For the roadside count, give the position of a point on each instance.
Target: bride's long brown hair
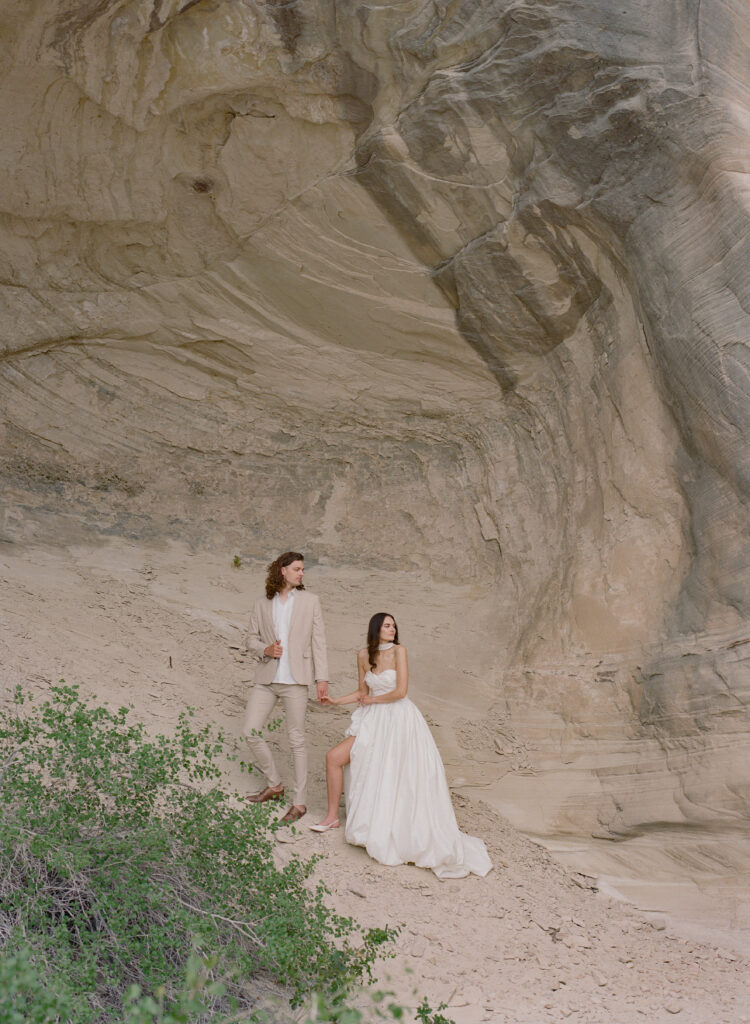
(373, 634)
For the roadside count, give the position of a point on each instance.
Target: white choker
(385, 647)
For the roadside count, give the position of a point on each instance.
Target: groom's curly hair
(274, 579)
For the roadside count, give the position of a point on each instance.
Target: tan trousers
(260, 705)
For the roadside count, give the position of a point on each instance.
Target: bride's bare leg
(336, 758)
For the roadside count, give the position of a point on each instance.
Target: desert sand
(534, 941)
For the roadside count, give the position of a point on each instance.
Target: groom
(286, 635)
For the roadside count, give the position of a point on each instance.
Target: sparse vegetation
(426, 1015)
(135, 887)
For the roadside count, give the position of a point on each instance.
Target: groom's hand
(322, 685)
(273, 650)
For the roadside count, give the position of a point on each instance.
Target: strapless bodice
(381, 682)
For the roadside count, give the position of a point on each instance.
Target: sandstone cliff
(449, 291)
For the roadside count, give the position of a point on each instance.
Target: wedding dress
(398, 805)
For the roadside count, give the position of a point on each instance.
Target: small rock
(659, 923)
(584, 881)
(673, 1008)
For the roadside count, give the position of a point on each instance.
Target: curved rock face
(451, 288)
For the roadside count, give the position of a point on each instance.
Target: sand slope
(531, 942)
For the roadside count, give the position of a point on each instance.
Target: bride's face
(387, 630)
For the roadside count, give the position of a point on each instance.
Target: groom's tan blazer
(307, 641)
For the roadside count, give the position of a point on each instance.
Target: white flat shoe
(324, 828)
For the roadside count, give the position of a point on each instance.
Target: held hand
(323, 697)
(274, 650)
(365, 699)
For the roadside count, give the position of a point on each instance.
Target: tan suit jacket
(307, 641)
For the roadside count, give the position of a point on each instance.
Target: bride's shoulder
(362, 655)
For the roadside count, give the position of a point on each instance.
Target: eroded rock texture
(466, 279)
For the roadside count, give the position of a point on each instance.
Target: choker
(385, 647)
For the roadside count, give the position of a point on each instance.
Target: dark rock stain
(288, 20)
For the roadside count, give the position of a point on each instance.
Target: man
(286, 635)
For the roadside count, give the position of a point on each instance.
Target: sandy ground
(534, 941)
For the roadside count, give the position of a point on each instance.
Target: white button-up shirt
(282, 616)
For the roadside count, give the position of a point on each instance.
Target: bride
(397, 801)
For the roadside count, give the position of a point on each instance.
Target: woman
(397, 801)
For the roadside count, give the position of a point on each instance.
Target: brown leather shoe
(294, 814)
(269, 793)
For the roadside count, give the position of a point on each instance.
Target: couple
(398, 804)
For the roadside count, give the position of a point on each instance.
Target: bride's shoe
(324, 828)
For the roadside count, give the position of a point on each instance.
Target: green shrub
(134, 886)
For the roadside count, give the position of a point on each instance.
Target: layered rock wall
(451, 288)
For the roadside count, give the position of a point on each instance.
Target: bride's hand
(366, 698)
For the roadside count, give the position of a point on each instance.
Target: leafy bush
(126, 867)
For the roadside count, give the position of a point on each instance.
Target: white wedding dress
(398, 805)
